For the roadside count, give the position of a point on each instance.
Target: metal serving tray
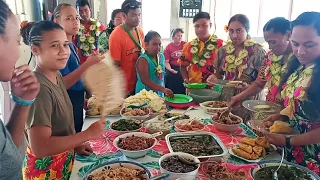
(189, 134)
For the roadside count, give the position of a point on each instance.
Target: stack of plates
(180, 101)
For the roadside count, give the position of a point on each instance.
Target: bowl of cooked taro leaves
(288, 171)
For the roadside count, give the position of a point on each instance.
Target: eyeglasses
(133, 4)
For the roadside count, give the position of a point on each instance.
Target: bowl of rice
(119, 169)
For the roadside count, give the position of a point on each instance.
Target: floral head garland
(208, 50)
(237, 64)
(88, 38)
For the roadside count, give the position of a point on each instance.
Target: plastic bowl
(134, 117)
(123, 132)
(117, 164)
(229, 128)
(134, 154)
(202, 95)
(185, 121)
(185, 176)
(209, 110)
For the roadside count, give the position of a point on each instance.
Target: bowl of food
(157, 126)
(125, 126)
(222, 170)
(229, 123)
(135, 113)
(213, 107)
(200, 144)
(135, 144)
(203, 95)
(286, 172)
(171, 163)
(185, 125)
(120, 169)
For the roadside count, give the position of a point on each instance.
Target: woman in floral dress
(277, 34)
(300, 92)
(240, 59)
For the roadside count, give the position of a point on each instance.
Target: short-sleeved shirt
(10, 157)
(173, 53)
(123, 49)
(72, 64)
(256, 54)
(52, 107)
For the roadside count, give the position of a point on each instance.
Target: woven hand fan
(106, 83)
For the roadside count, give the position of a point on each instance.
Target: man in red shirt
(90, 29)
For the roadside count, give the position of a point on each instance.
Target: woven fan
(106, 83)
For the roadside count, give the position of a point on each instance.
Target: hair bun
(23, 24)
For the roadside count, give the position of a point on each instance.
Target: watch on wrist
(288, 143)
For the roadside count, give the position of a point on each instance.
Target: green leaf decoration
(41, 164)
(94, 157)
(153, 165)
(248, 131)
(207, 121)
(107, 125)
(85, 169)
(154, 154)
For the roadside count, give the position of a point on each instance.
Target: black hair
(277, 25)
(35, 35)
(150, 35)
(57, 10)
(201, 15)
(111, 26)
(130, 4)
(81, 3)
(306, 19)
(5, 13)
(32, 32)
(25, 30)
(243, 19)
(175, 31)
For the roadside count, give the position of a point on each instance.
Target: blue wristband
(20, 101)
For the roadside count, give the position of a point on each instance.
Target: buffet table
(104, 151)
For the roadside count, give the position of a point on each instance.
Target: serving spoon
(181, 115)
(225, 113)
(275, 174)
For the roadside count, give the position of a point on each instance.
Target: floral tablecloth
(104, 151)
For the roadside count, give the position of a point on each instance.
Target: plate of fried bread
(251, 149)
(276, 127)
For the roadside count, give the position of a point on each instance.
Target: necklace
(208, 51)
(158, 70)
(237, 64)
(294, 90)
(87, 37)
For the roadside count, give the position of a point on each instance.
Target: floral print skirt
(57, 167)
(307, 156)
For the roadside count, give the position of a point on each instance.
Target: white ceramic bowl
(185, 176)
(183, 121)
(209, 110)
(123, 132)
(134, 117)
(134, 154)
(117, 164)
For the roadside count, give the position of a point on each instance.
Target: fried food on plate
(246, 148)
(249, 141)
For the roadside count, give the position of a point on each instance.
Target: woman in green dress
(151, 65)
(300, 92)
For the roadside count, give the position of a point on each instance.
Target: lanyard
(139, 44)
